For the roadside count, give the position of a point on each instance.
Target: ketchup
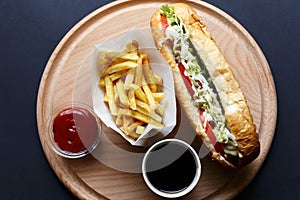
(75, 129)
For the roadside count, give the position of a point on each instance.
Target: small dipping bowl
(171, 168)
(74, 130)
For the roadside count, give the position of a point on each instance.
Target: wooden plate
(66, 78)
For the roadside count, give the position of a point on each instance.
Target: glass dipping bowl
(74, 130)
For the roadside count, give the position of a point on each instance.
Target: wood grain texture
(66, 79)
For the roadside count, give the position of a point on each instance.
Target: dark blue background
(31, 29)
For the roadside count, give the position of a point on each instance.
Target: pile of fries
(132, 91)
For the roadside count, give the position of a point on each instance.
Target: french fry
(132, 90)
(116, 94)
(158, 96)
(132, 86)
(103, 59)
(159, 109)
(119, 67)
(153, 87)
(140, 94)
(149, 97)
(139, 73)
(119, 120)
(158, 79)
(122, 93)
(105, 98)
(149, 74)
(126, 121)
(131, 98)
(133, 126)
(132, 56)
(124, 111)
(141, 117)
(129, 78)
(143, 105)
(110, 96)
(102, 83)
(117, 75)
(139, 130)
(132, 47)
(151, 114)
(134, 135)
(146, 119)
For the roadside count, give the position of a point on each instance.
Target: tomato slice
(210, 133)
(164, 22)
(186, 80)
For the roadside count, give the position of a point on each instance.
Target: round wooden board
(66, 77)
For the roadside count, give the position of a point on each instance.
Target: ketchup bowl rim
(53, 144)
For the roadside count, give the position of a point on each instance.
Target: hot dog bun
(237, 113)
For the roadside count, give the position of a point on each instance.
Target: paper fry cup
(158, 65)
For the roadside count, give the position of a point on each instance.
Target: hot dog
(205, 85)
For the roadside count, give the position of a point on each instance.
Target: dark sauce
(171, 168)
(75, 129)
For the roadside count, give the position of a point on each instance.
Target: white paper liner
(158, 65)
